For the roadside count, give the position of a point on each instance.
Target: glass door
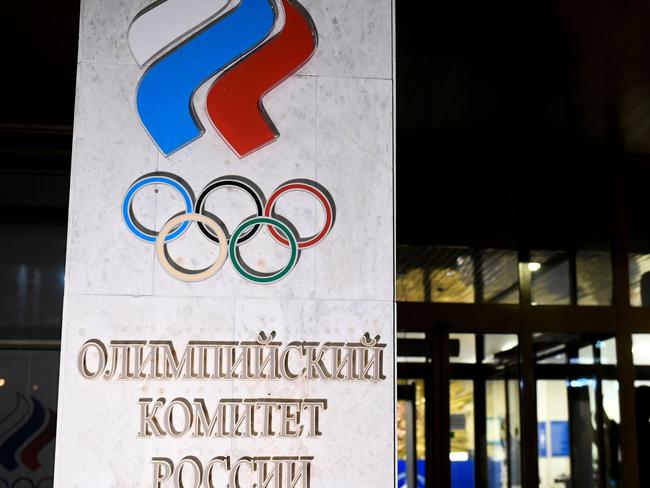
(485, 447)
(411, 450)
(578, 413)
(458, 411)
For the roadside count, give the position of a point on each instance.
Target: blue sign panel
(560, 438)
(402, 468)
(462, 474)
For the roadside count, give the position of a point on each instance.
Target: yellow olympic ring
(181, 273)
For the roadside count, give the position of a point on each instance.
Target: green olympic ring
(255, 276)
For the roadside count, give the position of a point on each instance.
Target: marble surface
(335, 119)
(110, 150)
(355, 37)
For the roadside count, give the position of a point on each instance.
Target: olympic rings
(256, 276)
(181, 273)
(24, 482)
(216, 231)
(28, 483)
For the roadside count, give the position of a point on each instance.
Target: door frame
(620, 319)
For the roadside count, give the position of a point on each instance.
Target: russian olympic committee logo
(25, 431)
(213, 228)
(184, 43)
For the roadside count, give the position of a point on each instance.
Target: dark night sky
(514, 118)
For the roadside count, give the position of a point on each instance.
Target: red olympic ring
(303, 243)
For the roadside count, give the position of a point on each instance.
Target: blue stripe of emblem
(164, 98)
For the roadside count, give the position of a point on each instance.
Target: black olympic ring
(244, 184)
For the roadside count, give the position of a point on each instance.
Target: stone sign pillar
(229, 298)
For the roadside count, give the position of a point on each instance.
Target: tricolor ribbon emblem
(25, 430)
(251, 47)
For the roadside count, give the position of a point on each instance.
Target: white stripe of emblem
(165, 23)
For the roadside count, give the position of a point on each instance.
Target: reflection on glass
(466, 275)
(456, 275)
(611, 431)
(594, 270)
(641, 355)
(502, 422)
(553, 433)
(514, 432)
(411, 434)
(496, 433)
(550, 284)
(485, 407)
(462, 348)
(641, 349)
(30, 385)
(499, 348)
(411, 285)
(577, 410)
(639, 269)
(31, 277)
(607, 351)
(461, 425)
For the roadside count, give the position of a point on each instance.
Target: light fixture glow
(534, 267)
(459, 457)
(2, 382)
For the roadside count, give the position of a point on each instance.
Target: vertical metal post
(480, 417)
(629, 446)
(625, 369)
(426, 284)
(528, 396)
(444, 368)
(432, 415)
(600, 422)
(528, 402)
(477, 268)
(438, 439)
(573, 276)
(506, 378)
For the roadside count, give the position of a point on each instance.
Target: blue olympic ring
(150, 235)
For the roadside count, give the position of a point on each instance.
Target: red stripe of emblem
(234, 102)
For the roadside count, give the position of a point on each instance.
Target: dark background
(517, 121)
(520, 125)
